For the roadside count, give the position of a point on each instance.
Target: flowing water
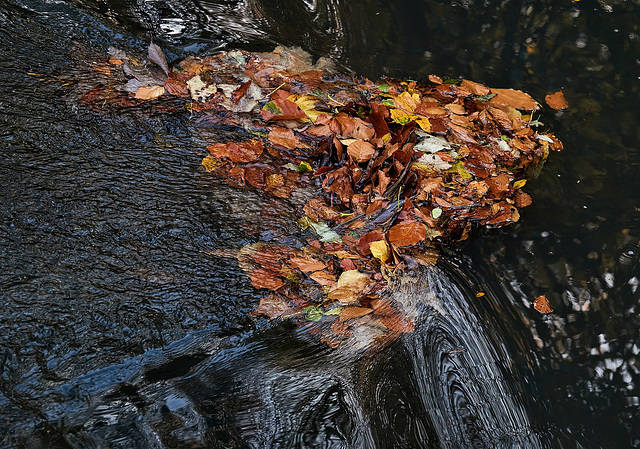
(119, 328)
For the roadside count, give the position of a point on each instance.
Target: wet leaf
(211, 163)
(246, 151)
(286, 138)
(513, 98)
(542, 305)
(312, 313)
(199, 90)
(556, 101)
(149, 92)
(282, 109)
(398, 323)
(176, 87)
(309, 105)
(273, 306)
(436, 212)
(156, 55)
(306, 263)
(349, 313)
(407, 233)
(361, 151)
(262, 278)
(522, 199)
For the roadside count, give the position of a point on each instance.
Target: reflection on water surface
(120, 329)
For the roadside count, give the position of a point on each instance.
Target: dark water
(120, 329)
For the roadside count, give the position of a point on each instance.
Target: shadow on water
(120, 329)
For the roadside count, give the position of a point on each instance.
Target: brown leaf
(246, 151)
(317, 209)
(513, 98)
(361, 151)
(363, 245)
(475, 88)
(306, 263)
(353, 312)
(557, 101)
(149, 92)
(407, 233)
(261, 278)
(282, 109)
(343, 125)
(323, 278)
(285, 137)
(522, 199)
(156, 55)
(273, 306)
(176, 87)
(240, 91)
(399, 323)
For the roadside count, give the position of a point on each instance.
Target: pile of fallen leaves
(398, 168)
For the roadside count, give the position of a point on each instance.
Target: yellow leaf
(519, 184)
(380, 250)
(308, 104)
(211, 163)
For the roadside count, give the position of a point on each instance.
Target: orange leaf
(323, 278)
(557, 101)
(354, 312)
(361, 151)
(407, 233)
(474, 88)
(306, 263)
(149, 92)
(513, 98)
(541, 304)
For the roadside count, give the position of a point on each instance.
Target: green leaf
(272, 108)
(436, 213)
(384, 87)
(312, 313)
(389, 102)
(334, 311)
(505, 138)
(304, 167)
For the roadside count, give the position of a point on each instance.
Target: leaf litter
(399, 169)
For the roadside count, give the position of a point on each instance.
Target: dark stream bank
(120, 329)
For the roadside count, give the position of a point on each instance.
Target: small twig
(274, 90)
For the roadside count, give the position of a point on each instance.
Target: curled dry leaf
(557, 101)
